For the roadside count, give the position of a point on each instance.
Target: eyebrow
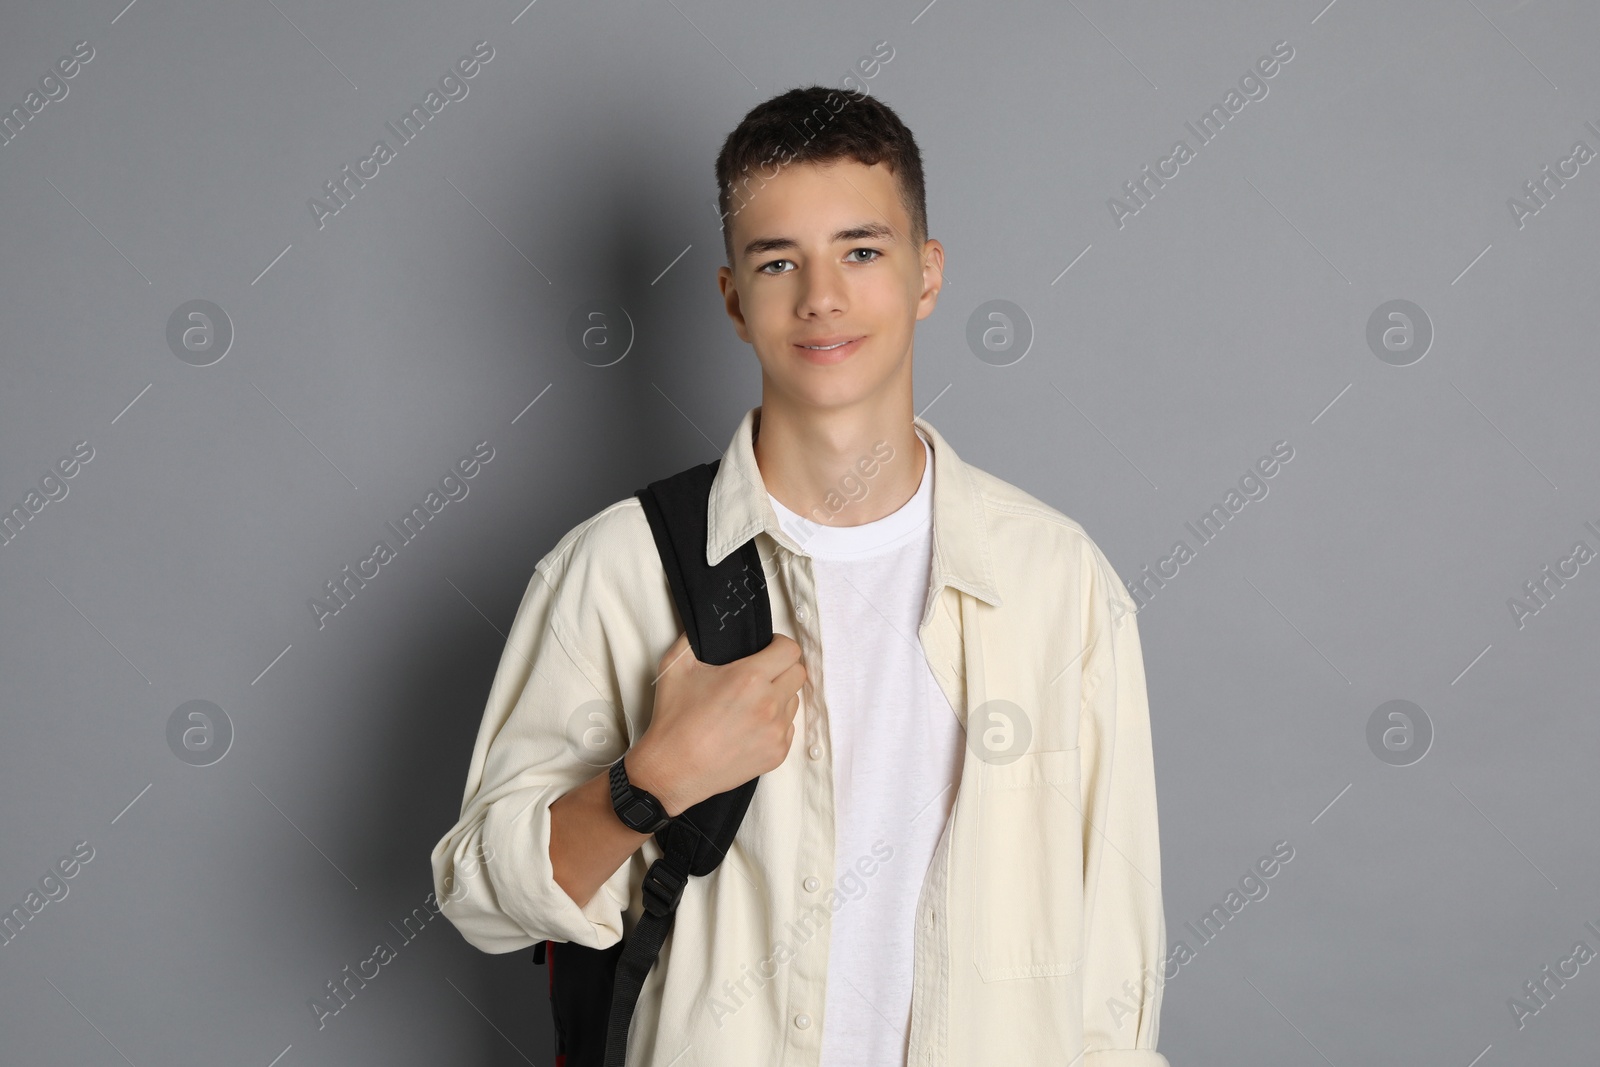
(875, 231)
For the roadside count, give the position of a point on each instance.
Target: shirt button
(811, 885)
(800, 612)
(816, 751)
(802, 1020)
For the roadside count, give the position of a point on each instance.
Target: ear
(731, 304)
(932, 277)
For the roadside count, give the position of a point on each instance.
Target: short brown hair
(819, 125)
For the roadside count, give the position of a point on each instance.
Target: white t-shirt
(897, 748)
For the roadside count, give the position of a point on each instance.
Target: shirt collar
(739, 509)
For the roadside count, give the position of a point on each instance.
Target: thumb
(676, 651)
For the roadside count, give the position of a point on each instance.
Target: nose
(822, 291)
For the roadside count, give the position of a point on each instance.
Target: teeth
(825, 348)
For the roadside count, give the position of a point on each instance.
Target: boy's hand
(716, 727)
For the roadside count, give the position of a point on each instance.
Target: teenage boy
(951, 857)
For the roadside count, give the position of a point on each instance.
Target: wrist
(644, 774)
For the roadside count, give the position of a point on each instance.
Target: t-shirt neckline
(868, 538)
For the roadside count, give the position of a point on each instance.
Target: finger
(782, 651)
(792, 679)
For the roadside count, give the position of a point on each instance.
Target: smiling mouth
(831, 354)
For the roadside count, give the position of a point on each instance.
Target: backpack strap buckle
(663, 885)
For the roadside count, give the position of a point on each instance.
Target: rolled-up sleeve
(1124, 924)
(492, 874)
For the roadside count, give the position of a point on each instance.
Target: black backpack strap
(727, 616)
(580, 981)
(723, 609)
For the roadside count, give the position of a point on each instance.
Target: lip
(834, 355)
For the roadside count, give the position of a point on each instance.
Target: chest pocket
(1028, 878)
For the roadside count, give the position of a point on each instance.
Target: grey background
(1230, 313)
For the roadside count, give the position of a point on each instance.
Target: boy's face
(833, 261)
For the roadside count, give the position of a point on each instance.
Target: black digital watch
(637, 808)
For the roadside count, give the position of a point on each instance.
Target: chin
(823, 395)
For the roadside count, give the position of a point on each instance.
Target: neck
(842, 467)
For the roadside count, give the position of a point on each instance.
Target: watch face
(640, 813)
(638, 810)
